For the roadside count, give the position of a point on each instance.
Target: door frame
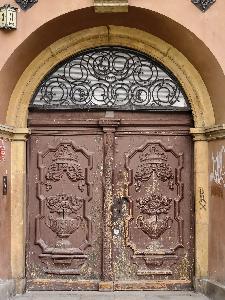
(17, 113)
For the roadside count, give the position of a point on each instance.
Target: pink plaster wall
(208, 27)
(30, 20)
(217, 211)
(203, 37)
(5, 212)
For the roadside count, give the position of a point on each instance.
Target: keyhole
(5, 185)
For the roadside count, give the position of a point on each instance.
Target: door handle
(118, 214)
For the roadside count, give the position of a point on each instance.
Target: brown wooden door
(109, 201)
(153, 208)
(65, 201)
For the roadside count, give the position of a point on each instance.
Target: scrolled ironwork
(111, 78)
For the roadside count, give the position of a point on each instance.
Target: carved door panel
(153, 209)
(64, 246)
(110, 202)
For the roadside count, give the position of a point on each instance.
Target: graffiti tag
(2, 150)
(202, 200)
(218, 173)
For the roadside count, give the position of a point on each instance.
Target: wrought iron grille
(111, 78)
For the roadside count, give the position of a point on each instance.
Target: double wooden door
(110, 202)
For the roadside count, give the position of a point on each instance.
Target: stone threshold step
(150, 295)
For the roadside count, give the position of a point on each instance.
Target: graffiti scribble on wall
(218, 173)
(2, 150)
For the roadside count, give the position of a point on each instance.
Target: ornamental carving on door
(153, 161)
(64, 162)
(154, 205)
(63, 189)
(155, 183)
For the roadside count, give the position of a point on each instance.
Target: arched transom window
(110, 78)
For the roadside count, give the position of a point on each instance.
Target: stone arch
(67, 46)
(167, 55)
